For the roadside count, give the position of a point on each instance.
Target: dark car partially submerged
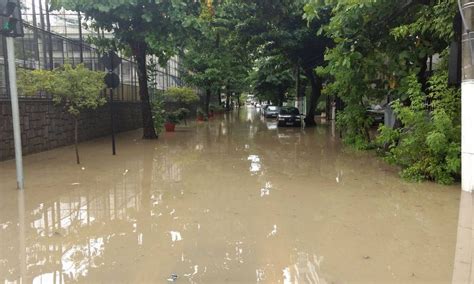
(272, 111)
(289, 116)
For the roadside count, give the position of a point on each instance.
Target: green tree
(271, 79)
(202, 69)
(381, 51)
(429, 144)
(213, 56)
(277, 28)
(74, 88)
(142, 28)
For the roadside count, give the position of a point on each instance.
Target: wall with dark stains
(45, 126)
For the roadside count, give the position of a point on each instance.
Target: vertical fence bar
(81, 55)
(43, 36)
(50, 40)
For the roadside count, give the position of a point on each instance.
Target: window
(290, 111)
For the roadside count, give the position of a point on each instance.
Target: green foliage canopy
(271, 79)
(76, 88)
(183, 95)
(157, 26)
(381, 50)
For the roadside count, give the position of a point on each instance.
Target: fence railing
(40, 49)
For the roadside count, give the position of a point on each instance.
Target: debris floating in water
(175, 236)
(173, 278)
(273, 232)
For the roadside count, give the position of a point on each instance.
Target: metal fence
(42, 49)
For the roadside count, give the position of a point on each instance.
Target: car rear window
(272, 108)
(293, 111)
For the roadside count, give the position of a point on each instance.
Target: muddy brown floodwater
(233, 200)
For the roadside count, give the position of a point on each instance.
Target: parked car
(271, 111)
(289, 116)
(377, 113)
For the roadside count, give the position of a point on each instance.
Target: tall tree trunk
(139, 51)
(328, 108)
(422, 76)
(227, 99)
(208, 100)
(316, 87)
(281, 98)
(298, 81)
(75, 140)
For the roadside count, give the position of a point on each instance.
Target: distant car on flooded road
(289, 116)
(271, 111)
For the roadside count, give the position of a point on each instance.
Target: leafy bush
(158, 114)
(183, 95)
(201, 113)
(182, 113)
(176, 116)
(213, 108)
(161, 116)
(429, 144)
(172, 117)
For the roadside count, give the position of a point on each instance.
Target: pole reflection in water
(333, 129)
(464, 257)
(22, 235)
(305, 270)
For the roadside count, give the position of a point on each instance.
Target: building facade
(54, 38)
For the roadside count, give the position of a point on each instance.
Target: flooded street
(234, 200)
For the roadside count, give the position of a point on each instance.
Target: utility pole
(11, 27)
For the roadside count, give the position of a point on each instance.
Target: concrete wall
(45, 126)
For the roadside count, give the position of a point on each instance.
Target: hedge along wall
(45, 126)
